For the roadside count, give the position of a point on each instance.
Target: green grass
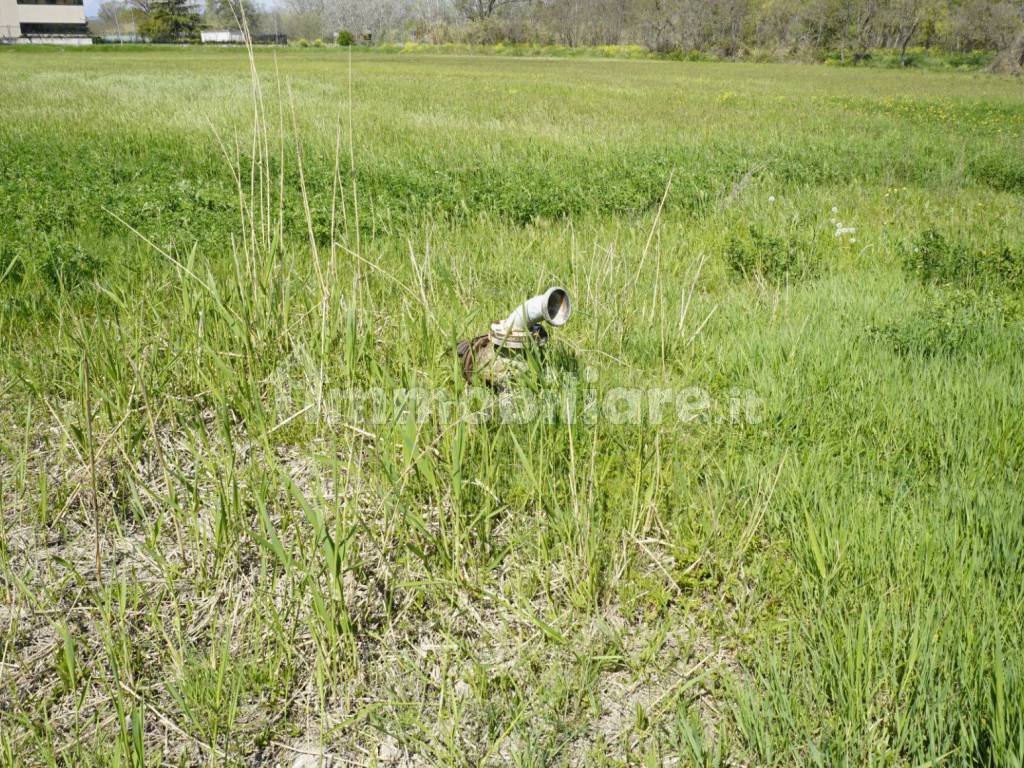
(923, 58)
(206, 557)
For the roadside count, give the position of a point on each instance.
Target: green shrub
(949, 323)
(345, 38)
(932, 258)
(776, 258)
(972, 60)
(681, 54)
(914, 57)
(68, 265)
(936, 258)
(1003, 171)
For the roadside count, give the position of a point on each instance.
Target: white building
(221, 36)
(44, 21)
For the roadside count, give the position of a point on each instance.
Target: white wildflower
(771, 198)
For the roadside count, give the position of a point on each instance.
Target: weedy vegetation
(206, 559)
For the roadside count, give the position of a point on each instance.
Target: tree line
(728, 28)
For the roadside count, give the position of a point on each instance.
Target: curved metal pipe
(552, 306)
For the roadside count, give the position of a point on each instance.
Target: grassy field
(208, 555)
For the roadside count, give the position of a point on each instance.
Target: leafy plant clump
(68, 265)
(777, 258)
(1003, 172)
(948, 323)
(938, 259)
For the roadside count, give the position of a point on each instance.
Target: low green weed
(941, 259)
(777, 257)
